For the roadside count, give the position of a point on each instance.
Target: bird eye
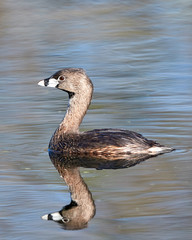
(61, 78)
(65, 220)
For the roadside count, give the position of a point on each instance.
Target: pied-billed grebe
(100, 142)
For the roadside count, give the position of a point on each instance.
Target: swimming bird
(98, 142)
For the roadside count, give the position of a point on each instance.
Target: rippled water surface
(138, 55)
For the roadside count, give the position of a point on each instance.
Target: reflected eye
(65, 220)
(61, 78)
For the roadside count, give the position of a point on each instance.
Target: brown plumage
(99, 142)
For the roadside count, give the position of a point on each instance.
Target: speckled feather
(101, 141)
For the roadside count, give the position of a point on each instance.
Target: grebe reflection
(81, 209)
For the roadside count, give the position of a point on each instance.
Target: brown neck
(79, 190)
(77, 108)
(80, 193)
(82, 207)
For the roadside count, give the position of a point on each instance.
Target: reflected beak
(53, 216)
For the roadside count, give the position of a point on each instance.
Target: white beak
(55, 216)
(45, 217)
(41, 83)
(52, 82)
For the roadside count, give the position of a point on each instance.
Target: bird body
(99, 142)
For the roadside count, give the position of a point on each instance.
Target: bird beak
(53, 216)
(49, 82)
(42, 83)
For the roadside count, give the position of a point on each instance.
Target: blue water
(138, 55)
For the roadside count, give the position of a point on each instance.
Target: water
(138, 55)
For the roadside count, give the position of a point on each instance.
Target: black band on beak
(46, 82)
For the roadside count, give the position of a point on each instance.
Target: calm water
(138, 55)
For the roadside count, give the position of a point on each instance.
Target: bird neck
(78, 105)
(77, 187)
(80, 194)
